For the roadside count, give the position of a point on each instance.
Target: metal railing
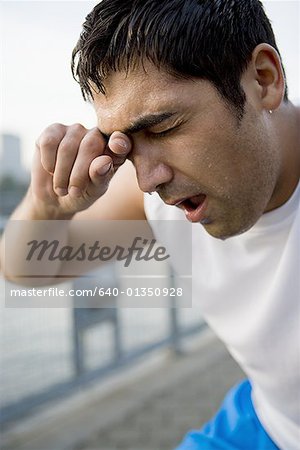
(83, 320)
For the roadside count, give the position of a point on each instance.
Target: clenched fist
(72, 167)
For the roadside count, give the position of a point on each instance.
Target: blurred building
(14, 178)
(10, 158)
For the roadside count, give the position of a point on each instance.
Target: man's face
(189, 146)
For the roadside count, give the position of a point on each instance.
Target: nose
(151, 174)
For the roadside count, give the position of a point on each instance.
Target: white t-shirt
(248, 289)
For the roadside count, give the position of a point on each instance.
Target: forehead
(143, 91)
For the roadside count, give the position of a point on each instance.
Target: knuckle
(57, 126)
(96, 134)
(51, 135)
(48, 140)
(95, 131)
(94, 141)
(77, 127)
(92, 144)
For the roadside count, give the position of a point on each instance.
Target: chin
(226, 231)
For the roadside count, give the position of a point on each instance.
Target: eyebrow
(144, 122)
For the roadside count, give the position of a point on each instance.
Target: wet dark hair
(209, 39)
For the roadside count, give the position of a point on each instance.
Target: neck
(286, 123)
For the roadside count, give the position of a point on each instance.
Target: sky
(37, 87)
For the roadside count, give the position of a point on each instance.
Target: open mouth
(194, 207)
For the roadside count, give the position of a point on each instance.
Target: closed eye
(161, 134)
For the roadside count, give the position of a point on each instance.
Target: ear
(269, 76)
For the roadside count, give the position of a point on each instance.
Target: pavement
(150, 407)
(184, 394)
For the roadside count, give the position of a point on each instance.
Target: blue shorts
(234, 427)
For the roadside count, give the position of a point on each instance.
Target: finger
(101, 171)
(66, 155)
(119, 146)
(48, 144)
(91, 146)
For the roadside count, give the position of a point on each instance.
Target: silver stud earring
(270, 111)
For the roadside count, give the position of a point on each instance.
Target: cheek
(214, 159)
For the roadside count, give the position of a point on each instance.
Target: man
(193, 93)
